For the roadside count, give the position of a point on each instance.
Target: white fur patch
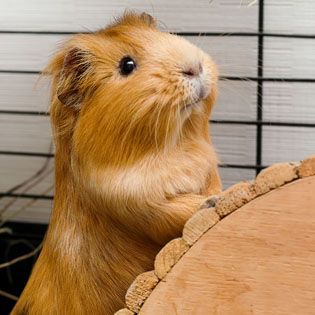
(156, 177)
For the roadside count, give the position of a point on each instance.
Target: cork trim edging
(204, 219)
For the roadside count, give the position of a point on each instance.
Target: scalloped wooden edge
(169, 255)
(228, 201)
(140, 289)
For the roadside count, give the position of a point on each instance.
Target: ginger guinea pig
(134, 160)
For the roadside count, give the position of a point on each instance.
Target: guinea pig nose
(193, 71)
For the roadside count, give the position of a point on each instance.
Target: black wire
(31, 178)
(205, 34)
(260, 91)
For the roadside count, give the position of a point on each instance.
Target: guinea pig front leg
(214, 188)
(171, 215)
(213, 183)
(169, 218)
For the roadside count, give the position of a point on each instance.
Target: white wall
(236, 56)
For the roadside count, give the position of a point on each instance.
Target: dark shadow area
(24, 238)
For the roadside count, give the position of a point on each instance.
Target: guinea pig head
(129, 90)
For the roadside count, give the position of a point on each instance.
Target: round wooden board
(258, 260)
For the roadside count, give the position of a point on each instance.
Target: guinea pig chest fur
(134, 160)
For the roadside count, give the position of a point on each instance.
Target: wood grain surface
(258, 260)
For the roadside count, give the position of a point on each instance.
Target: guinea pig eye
(127, 65)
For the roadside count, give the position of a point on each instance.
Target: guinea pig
(134, 160)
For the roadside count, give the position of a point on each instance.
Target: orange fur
(133, 162)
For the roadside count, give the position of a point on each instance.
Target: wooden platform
(259, 259)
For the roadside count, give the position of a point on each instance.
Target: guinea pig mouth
(202, 94)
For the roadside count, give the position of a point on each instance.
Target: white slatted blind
(31, 30)
(82, 15)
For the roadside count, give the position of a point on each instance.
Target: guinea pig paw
(210, 202)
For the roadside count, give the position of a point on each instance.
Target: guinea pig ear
(148, 19)
(71, 88)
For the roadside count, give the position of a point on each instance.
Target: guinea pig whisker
(181, 124)
(179, 118)
(156, 125)
(166, 139)
(189, 116)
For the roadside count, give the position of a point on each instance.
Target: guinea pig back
(133, 161)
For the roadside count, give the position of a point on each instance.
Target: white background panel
(23, 92)
(27, 210)
(281, 144)
(16, 169)
(290, 16)
(80, 15)
(289, 57)
(236, 101)
(289, 102)
(231, 176)
(26, 133)
(235, 144)
(235, 56)
(28, 52)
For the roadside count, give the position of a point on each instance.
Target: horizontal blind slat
(80, 15)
